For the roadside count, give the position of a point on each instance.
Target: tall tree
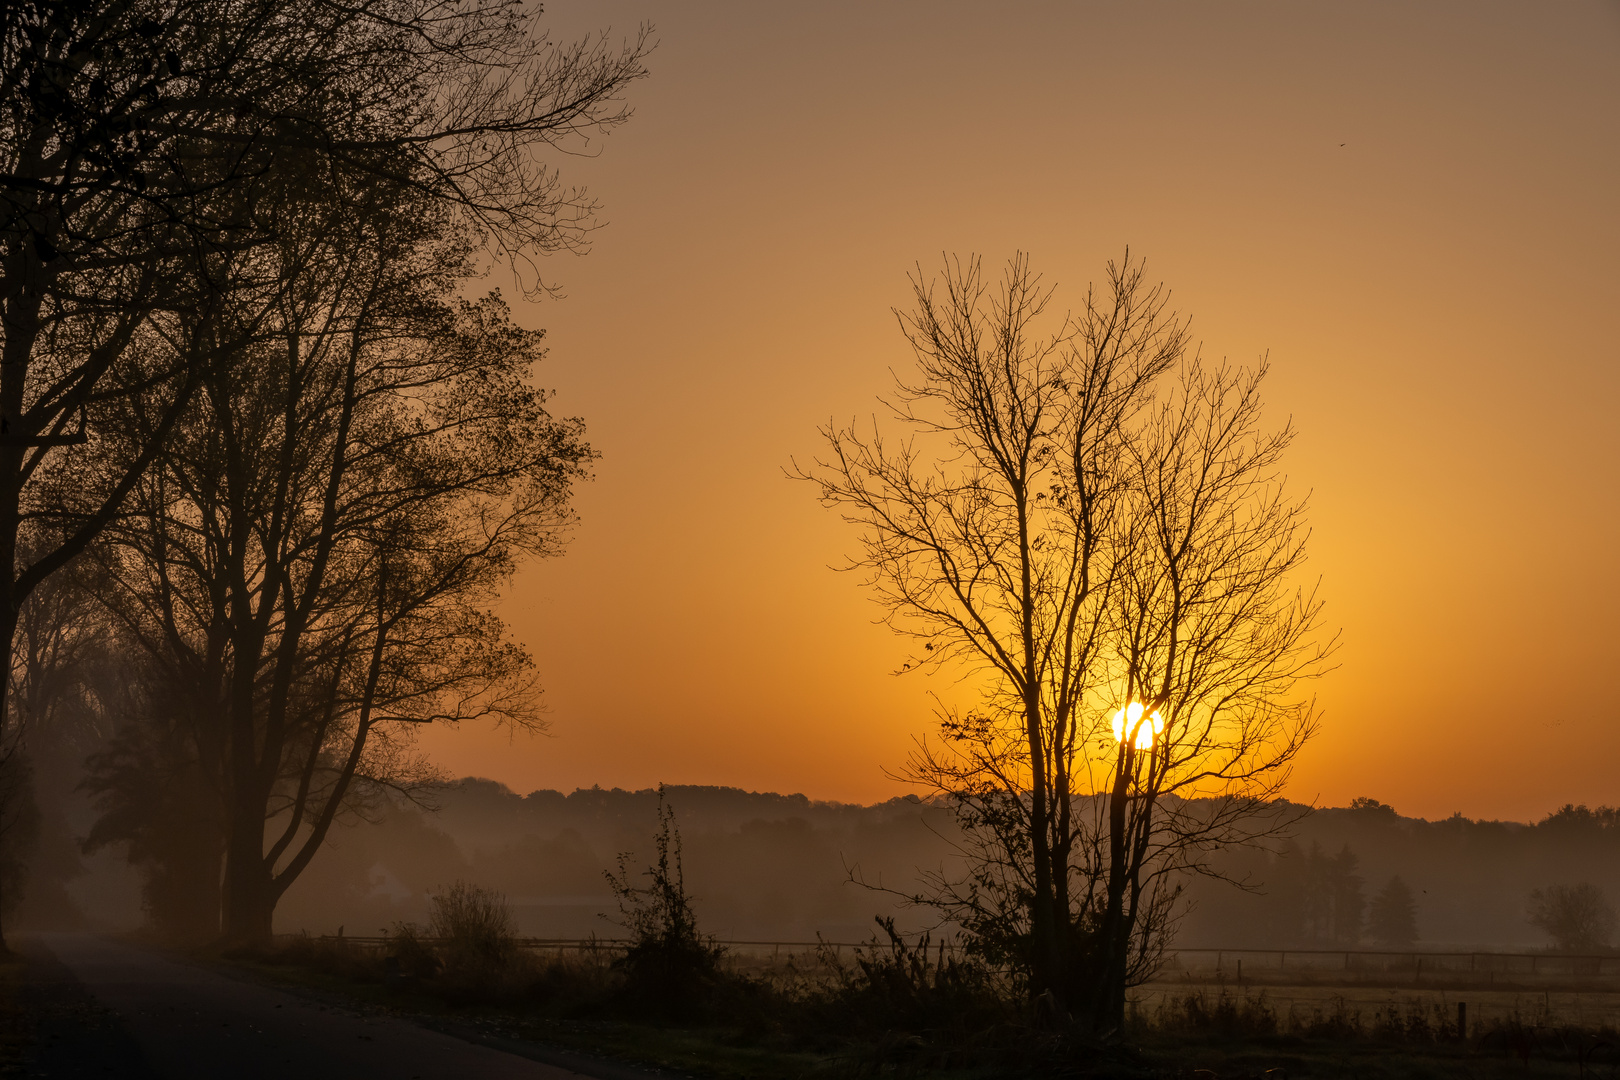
(139, 140)
(1109, 556)
(316, 551)
(1208, 643)
(1392, 915)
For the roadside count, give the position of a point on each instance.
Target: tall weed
(671, 969)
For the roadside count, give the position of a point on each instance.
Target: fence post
(1462, 1020)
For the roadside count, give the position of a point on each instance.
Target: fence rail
(1184, 961)
(595, 943)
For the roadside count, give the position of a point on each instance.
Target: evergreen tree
(1348, 901)
(1331, 902)
(1392, 916)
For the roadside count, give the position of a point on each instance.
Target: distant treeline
(761, 866)
(779, 867)
(764, 866)
(1470, 880)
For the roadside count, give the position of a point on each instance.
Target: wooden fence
(1326, 966)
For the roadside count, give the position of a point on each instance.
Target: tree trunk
(249, 896)
(10, 606)
(1114, 935)
(1046, 964)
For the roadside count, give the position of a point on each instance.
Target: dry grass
(897, 1009)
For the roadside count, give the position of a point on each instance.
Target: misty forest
(278, 443)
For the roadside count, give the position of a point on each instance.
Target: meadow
(893, 1008)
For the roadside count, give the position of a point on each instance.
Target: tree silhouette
(1332, 902)
(1392, 915)
(1107, 550)
(314, 555)
(1579, 918)
(139, 142)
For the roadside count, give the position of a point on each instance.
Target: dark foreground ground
(79, 1006)
(83, 1006)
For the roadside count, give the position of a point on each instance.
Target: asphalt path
(114, 1009)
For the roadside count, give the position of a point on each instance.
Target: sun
(1130, 719)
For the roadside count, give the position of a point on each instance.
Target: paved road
(118, 1010)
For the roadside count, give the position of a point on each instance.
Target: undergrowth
(898, 1006)
(905, 1007)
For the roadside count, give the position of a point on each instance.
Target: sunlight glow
(1130, 719)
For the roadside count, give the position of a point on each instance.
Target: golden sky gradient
(1414, 207)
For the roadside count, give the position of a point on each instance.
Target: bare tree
(1043, 526)
(1209, 640)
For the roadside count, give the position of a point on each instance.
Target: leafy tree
(139, 143)
(1579, 918)
(1571, 818)
(314, 556)
(1392, 915)
(1372, 807)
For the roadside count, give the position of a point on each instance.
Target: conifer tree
(1392, 915)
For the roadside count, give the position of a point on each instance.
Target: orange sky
(1414, 207)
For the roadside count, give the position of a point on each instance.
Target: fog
(1470, 879)
(761, 866)
(772, 867)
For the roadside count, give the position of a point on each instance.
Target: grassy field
(1175, 1032)
(1486, 1006)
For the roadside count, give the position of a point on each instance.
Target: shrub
(477, 949)
(897, 985)
(473, 924)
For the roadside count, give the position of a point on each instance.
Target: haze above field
(769, 867)
(1411, 207)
